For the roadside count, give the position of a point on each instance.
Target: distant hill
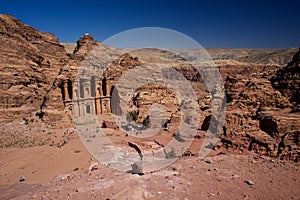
(249, 55)
(269, 56)
(258, 56)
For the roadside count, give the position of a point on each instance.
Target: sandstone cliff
(30, 61)
(39, 77)
(287, 81)
(259, 117)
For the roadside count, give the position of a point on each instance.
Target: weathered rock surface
(38, 76)
(287, 81)
(30, 61)
(258, 115)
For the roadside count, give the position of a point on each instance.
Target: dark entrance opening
(70, 89)
(81, 90)
(88, 109)
(104, 92)
(62, 91)
(93, 86)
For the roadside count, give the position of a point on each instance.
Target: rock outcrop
(287, 81)
(259, 117)
(30, 61)
(39, 77)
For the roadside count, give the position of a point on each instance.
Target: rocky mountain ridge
(38, 77)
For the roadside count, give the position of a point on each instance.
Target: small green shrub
(132, 116)
(40, 114)
(170, 154)
(147, 122)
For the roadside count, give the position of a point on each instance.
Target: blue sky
(214, 23)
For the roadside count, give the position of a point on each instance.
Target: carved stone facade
(87, 96)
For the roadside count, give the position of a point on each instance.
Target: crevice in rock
(132, 145)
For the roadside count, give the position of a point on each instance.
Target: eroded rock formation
(259, 117)
(30, 61)
(287, 81)
(39, 76)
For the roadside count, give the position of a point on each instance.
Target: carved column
(108, 97)
(76, 91)
(108, 105)
(93, 110)
(66, 93)
(97, 101)
(75, 103)
(82, 109)
(87, 89)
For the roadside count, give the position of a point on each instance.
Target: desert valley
(45, 91)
